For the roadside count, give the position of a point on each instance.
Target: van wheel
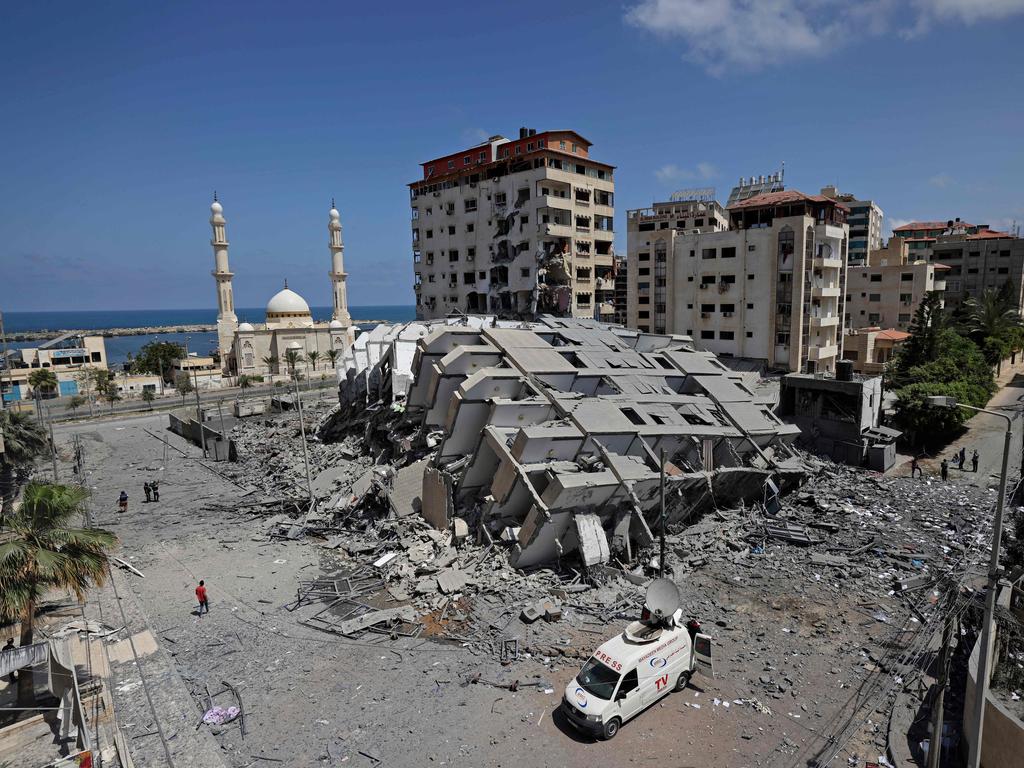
(611, 728)
(683, 681)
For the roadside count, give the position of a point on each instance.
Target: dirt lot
(795, 650)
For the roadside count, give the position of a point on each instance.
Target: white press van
(632, 671)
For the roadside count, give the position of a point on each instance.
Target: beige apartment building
(922, 235)
(516, 228)
(769, 287)
(981, 261)
(886, 291)
(650, 238)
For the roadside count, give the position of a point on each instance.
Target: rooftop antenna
(286, 282)
(215, 195)
(332, 202)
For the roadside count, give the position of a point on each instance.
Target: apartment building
(886, 290)
(515, 228)
(980, 261)
(65, 355)
(865, 220)
(650, 238)
(620, 301)
(922, 235)
(769, 287)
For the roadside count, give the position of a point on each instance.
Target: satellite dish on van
(662, 598)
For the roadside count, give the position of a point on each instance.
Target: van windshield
(597, 679)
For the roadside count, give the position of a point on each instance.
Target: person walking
(149, 492)
(13, 677)
(204, 604)
(944, 469)
(155, 487)
(915, 467)
(974, 461)
(963, 458)
(122, 502)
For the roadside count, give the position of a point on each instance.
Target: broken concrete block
(460, 528)
(530, 614)
(451, 580)
(593, 542)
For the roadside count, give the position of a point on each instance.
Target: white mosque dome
(246, 328)
(216, 207)
(335, 216)
(337, 324)
(287, 302)
(294, 345)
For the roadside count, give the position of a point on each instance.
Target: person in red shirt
(201, 596)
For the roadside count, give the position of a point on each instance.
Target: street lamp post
(987, 635)
(199, 408)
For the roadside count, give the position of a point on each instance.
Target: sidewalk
(985, 434)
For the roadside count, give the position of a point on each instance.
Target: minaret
(337, 273)
(227, 321)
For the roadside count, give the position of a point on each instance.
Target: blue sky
(120, 119)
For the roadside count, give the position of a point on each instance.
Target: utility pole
(223, 431)
(935, 745)
(661, 494)
(53, 445)
(199, 408)
(302, 430)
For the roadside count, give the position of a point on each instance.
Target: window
(519, 149)
(876, 278)
(782, 339)
(470, 227)
(906, 298)
(644, 270)
(689, 306)
(874, 297)
(707, 307)
(481, 275)
(471, 252)
(904, 317)
(644, 257)
(972, 270)
(470, 205)
(524, 219)
(524, 272)
(707, 334)
(561, 145)
(728, 279)
(689, 279)
(1003, 271)
(709, 253)
(466, 160)
(453, 255)
(644, 314)
(974, 254)
(907, 276)
(708, 280)
(529, 146)
(451, 229)
(499, 198)
(750, 334)
(726, 335)
(430, 278)
(698, 223)
(729, 253)
(727, 308)
(451, 164)
(750, 277)
(692, 254)
(467, 278)
(750, 306)
(482, 157)
(751, 247)
(430, 233)
(574, 148)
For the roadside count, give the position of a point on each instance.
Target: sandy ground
(315, 699)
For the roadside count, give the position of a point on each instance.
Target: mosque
(263, 349)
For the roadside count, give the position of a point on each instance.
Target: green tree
(271, 362)
(156, 357)
(927, 325)
(42, 551)
(313, 356)
(292, 358)
(148, 396)
(990, 322)
(76, 402)
(24, 442)
(111, 395)
(244, 382)
(184, 385)
(333, 355)
(43, 382)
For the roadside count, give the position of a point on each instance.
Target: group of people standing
(960, 457)
(152, 491)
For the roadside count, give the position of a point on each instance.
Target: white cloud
(672, 172)
(724, 35)
(929, 12)
(941, 180)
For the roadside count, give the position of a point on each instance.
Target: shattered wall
(550, 435)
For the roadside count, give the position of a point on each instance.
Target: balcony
(939, 285)
(555, 230)
(821, 263)
(822, 353)
(824, 321)
(821, 292)
(555, 201)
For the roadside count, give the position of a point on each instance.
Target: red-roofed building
(922, 235)
(980, 260)
(870, 349)
(515, 228)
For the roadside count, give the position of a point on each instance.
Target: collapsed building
(549, 437)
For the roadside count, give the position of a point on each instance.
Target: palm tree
(42, 380)
(292, 358)
(244, 382)
(313, 356)
(40, 552)
(991, 317)
(333, 355)
(24, 442)
(271, 362)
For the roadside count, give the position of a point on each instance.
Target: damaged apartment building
(515, 228)
(547, 438)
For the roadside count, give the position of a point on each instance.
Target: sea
(120, 347)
